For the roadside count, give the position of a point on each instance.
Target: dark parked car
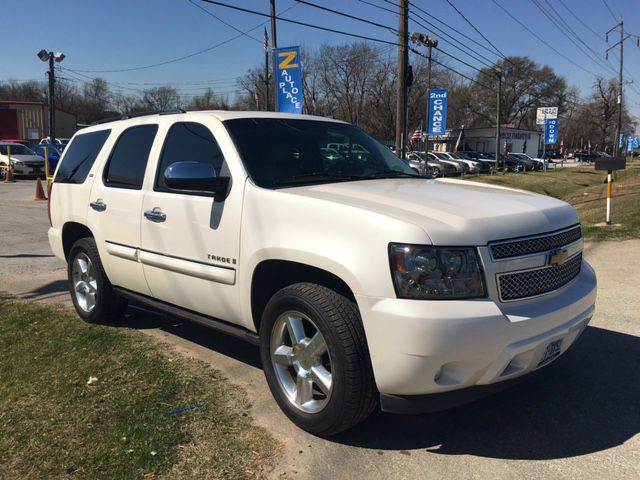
(54, 155)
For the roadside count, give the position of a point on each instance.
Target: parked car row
(447, 164)
(27, 161)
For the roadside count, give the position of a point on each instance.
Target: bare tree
(160, 99)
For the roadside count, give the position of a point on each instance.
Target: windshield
(441, 156)
(16, 149)
(288, 152)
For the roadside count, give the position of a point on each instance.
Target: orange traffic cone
(39, 190)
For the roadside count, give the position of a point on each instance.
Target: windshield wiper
(391, 174)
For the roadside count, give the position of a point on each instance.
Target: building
(484, 140)
(30, 121)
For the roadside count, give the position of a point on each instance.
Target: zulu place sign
(289, 79)
(437, 111)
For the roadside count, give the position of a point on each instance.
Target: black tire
(109, 306)
(354, 395)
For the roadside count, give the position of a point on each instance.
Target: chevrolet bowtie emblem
(558, 257)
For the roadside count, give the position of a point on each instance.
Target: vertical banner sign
(288, 79)
(437, 112)
(551, 131)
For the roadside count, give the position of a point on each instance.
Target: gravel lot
(578, 418)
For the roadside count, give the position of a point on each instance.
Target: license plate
(551, 352)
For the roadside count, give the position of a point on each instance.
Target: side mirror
(196, 177)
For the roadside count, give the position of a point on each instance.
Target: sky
(123, 34)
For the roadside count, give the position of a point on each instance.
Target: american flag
(266, 39)
(457, 146)
(416, 137)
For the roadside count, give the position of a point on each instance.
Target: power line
(187, 56)
(581, 21)
(213, 15)
(615, 19)
(417, 52)
(542, 40)
(479, 58)
(577, 37)
(297, 22)
(471, 39)
(561, 30)
(476, 28)
(347, 15)
(488, 62)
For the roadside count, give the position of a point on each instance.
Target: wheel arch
(271, 275)
(71, 233)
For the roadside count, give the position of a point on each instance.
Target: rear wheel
(315, 358)
(93, 296)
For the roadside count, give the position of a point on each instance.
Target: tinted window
(129, 157)
(16, 149)
(286, 152)
(80, 155)
(188, 142)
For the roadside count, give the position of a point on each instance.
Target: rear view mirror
(196, 177)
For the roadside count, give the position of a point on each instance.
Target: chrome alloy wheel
(85, 284)
(301, 361)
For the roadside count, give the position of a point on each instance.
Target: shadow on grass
(140, 318)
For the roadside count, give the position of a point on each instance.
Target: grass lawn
(53, 424)
(583, 187)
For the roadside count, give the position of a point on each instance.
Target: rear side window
(80, 155)
(128, 160)
(188, 142)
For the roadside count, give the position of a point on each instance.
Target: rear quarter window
(80, 156)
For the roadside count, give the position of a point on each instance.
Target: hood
(451, 212)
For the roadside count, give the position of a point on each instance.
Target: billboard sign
(551, 131)
(438, 98)
(632, 143)
(288, 79)
(545, 113)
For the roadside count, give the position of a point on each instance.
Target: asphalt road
(578, 418)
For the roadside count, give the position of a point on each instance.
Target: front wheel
(315, 358)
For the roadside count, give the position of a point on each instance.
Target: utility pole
(403, 61)
(623, 36)
(274, 45)
(52, 100)
(52, 58)
(266, 69)
(498, 72)
(430, 43)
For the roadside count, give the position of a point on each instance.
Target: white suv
(362, 283)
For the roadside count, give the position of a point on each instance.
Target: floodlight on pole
(52, 58)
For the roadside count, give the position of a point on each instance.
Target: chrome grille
(530, 283)
(519, 248)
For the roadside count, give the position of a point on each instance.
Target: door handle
(98, 205)
(155, 215)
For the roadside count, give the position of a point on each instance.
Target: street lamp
(52, 58)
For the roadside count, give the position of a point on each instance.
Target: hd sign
(545, 113)
(551, 131)
(288, 79)
(437, 111)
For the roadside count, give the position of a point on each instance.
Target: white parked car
(23, 159)
(363, 284)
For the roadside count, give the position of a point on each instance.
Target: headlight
(17, 163)
(433, 273)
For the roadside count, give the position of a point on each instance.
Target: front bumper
(429, 347)
(27, 169)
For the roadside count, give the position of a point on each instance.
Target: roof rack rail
(138, 114)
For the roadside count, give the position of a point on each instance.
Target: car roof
(221, 115)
